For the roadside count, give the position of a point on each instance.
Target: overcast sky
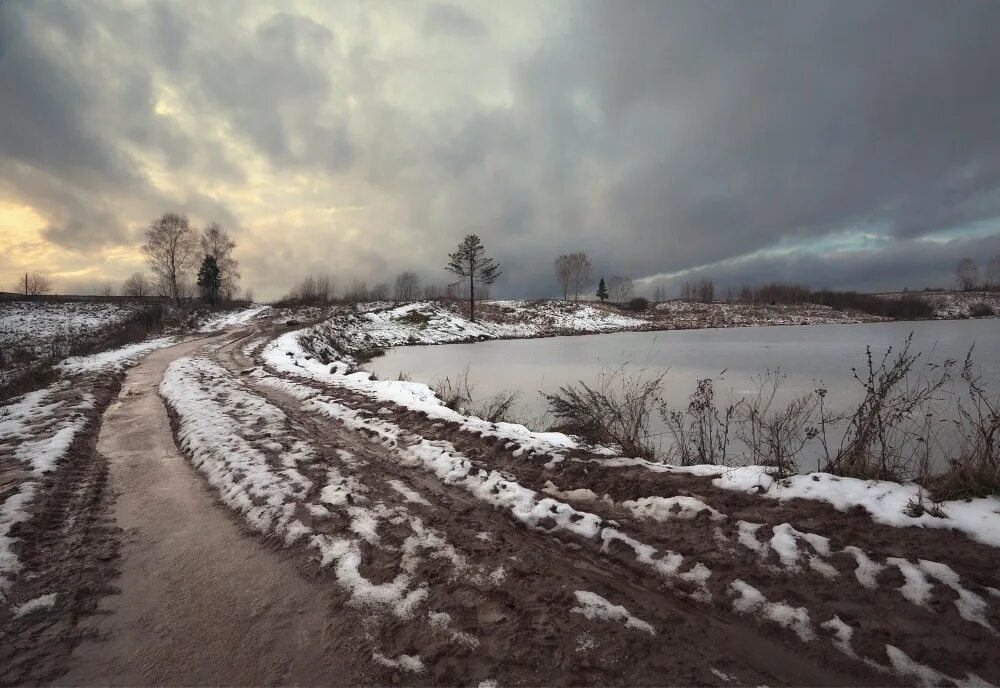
(844, 144)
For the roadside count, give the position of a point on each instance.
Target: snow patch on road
(667, 508)
(596, 607)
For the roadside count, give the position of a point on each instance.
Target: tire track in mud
(200, 603)
(525, 625)
(883, 615)
(69, 546)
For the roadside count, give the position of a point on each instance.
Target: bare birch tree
(407, 286)
(136, 286)
(171, 251)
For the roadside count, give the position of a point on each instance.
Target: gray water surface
(806, 354)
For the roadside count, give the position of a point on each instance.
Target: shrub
(908, 308)
(891, 429)
(981, 309)
(701, 431)
(638, 304)
(456, 393)
(775, 436)
(975, 471)
(615, 412)
(499, 408)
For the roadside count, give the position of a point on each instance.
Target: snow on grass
(33, 322)
(36, 604)
(113, 359)
(431, 322)
(750, 601)
(593, 606)
(885, 501)
(667, 508)
(220, 321)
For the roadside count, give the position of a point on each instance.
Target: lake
(732, 357)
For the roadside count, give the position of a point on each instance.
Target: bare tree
(471, 263)
(35, 284)
(581, 273)
(311, 289)
(572, 272)
(380, 291)
(564, 275)
(216, 242)
(993, 273)
(659, 294)
(358, 292)
(136, 286)
(967, 274)
(407, 286)
(432, 292)
(171, 250)
(620, 288)
(107, 290)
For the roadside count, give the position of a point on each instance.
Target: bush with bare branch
(888, 430)
(701, 432)
(975, 469)
(616, 411)
(775, 435)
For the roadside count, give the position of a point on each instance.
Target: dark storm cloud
(656, 136)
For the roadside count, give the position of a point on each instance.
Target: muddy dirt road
(282, 530)
(201, 603)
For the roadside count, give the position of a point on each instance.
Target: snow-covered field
(949, 305)
(33, 323)
(684, 314)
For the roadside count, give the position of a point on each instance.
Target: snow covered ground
(949, 305)
(35, 322)
(378, 326)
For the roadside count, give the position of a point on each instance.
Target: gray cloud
(450, 20)
(656, 136)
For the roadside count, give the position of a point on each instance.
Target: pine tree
(471, 263)
(210, 279)
(602, 291)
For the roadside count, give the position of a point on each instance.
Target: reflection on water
(807, 355)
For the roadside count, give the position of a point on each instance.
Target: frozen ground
(31, 323)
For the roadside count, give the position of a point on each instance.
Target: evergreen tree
(471, 263)
(602, 291)
(210, 279)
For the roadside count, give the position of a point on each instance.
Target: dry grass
(616, 411)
